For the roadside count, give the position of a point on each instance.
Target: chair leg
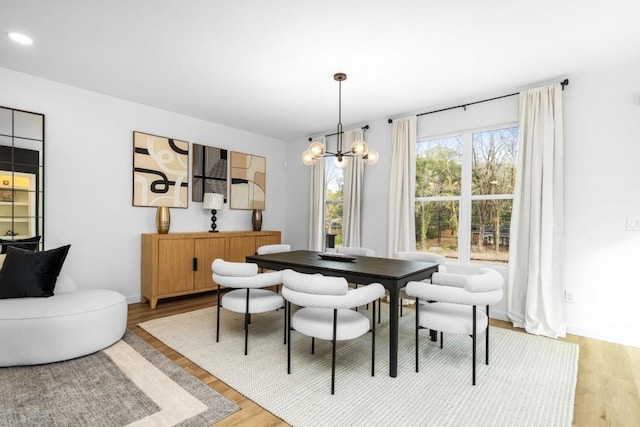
(355, 286)
(218, 318)
(486, 338)
(473, 338)
(313, 345)
(401, 307)
(246, 325)
(373, 338)
(417, 328)
(333, 351)
(285, 323)
(379, 307)
(288, 312)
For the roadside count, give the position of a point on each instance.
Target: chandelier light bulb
(371, 158)
(308, 158)
(316, 148)
(340, 162)
(359, 148)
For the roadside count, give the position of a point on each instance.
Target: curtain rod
(365, 127)
(563, 83)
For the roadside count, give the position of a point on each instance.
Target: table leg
(394, 299)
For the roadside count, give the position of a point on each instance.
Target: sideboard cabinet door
(206, 251)
(175, 271)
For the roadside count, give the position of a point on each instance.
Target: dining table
(393, 274)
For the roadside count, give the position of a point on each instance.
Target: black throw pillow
(31, 274)
(30, 243)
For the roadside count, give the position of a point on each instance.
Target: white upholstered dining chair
(273, 249)
(326, 313)
(355, 251)
(248, 295)
(358, 251)
(426, 257)
(454, 299)
(420, 256)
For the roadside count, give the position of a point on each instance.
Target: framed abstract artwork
(209, 171)
(160, 171)
(248, 181)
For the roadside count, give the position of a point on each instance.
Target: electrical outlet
(569, 296)
(633, 223)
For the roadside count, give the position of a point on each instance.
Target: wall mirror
(21, 179)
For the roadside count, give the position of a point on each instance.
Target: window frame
(329, 168)
(465, 198)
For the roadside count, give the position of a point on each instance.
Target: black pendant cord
(339, 126)
(563, 83)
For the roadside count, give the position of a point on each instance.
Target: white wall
(602, 188)
(88, 177)
(602, 172)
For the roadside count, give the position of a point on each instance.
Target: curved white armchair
(426, 257)
(421, 256)
(453, 309)
(248, 296)
(326, 312)
(356, 251)
(273, 249)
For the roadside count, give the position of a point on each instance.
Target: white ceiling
(267, 66)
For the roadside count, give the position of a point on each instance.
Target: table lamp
(213, 201)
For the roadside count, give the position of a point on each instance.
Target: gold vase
(163, 219)
(256, 220)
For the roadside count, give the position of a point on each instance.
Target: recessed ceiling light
(20, 38)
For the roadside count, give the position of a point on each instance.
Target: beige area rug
(530, 381)
(128, 383)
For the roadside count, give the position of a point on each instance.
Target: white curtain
(316, 204)
(353, 187)
(535, 300)
(401, 229)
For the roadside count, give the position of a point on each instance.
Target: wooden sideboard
(175, 264)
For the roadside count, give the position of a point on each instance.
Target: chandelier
(317, 149)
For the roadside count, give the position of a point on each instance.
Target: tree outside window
(334, 200)
(493, 175)
(464, 192)
(438, 190)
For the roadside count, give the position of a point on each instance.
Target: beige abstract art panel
(160, 171)
(248, 181)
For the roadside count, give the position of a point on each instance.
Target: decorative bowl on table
(333, 256)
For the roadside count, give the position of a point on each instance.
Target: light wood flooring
(607, 390)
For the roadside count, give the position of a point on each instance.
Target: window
(438, 191)
(334, 200)
(464, 194)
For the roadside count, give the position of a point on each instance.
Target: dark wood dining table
(393, 274)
